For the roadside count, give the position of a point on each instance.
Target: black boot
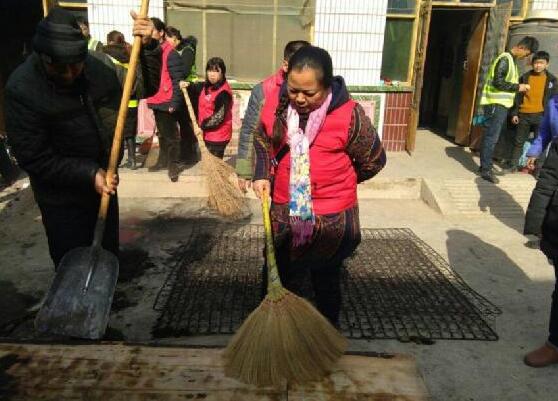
(131, 144)
(174, 171)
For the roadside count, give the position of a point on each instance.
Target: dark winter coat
(500, 73)
(61, 137)
(542, 213)
(187, 50)
(550, 89)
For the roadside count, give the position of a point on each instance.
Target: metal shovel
(79, 300)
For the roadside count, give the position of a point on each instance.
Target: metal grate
(394, 287)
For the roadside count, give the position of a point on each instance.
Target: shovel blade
(68, 310)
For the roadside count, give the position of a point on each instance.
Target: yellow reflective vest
(491, 95)
(92, 44)
(133, 102)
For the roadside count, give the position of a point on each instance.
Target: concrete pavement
(485, 248)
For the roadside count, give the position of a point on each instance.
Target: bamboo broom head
(283, 339)
(223, 194)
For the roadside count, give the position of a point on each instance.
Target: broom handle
(197, 130)
(273, 279)
(120, 122)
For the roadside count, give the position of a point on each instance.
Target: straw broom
(285, 338)
(224, 195)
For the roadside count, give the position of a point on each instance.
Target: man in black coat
(542, 220)
(61, 108)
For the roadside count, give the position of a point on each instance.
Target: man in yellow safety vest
(118, 51)
(502, 83)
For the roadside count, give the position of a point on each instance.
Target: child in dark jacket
(215, 102)
(528, 109)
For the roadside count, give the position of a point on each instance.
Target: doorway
(455, 44)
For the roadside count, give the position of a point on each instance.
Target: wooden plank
(118, 372)
(360, 378)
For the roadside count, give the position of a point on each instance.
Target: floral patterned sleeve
(364, 147)
(262, 147)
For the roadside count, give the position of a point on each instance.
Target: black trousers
(131, 126)
(169, 140)
(69, 227)
(527, 123)
(553, 326)
(188, 139)
(217, 148)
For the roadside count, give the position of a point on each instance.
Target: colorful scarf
(301, 215)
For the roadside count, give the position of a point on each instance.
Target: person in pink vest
(311, 152)
(215, 102)
(169, 109)
(267, 89)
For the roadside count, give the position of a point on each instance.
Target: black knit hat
(59, 37)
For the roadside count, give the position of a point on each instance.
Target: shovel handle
(120, 123)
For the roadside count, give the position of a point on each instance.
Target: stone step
(460, 196)
(191, 184)
(474, 196)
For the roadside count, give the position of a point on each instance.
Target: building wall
(108, 15)
(544, 5)
(353, 33)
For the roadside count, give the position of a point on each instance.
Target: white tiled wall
(108, 15)
(352, 31)
(544, 5)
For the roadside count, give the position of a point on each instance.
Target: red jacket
(206, 108)
(272, 86)
(164, 94)
(332, 175)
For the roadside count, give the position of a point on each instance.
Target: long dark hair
(311, 57)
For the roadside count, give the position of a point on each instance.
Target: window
(398, 38)
(249, 35)
(401, 7)
(517, 8)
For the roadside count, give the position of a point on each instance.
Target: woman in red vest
(169, 109)
(317, 144)
(215, 102)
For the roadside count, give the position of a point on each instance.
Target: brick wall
(396, 118)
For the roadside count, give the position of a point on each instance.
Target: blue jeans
(496, 117)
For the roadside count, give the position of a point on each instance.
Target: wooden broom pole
(122, 113)
(197, 130)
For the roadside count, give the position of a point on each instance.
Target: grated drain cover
(394, 287)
